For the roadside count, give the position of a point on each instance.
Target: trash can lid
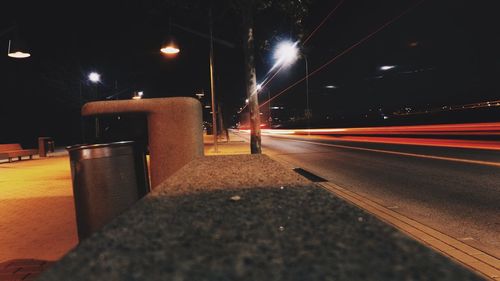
(100, 150)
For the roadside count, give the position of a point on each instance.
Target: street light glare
(259, 87)
(19, 55)
(94, 77)
(170, 50)
(17, 50)
(286, 53)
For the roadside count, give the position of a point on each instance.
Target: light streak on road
(425, 135)
(455, 129)
(453, 159)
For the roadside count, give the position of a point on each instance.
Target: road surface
(453, 190)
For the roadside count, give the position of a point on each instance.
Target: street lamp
(286, 54)
(94, 77)
(172, 49)
(16, 48)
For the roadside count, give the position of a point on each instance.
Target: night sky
(445, 53)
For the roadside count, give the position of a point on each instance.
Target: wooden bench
(12, 150)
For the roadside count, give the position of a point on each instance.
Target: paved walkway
(235, 145)
(37, 216)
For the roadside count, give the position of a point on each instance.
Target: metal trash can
(107, 180)
(45, 144)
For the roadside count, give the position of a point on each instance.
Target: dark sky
(445, 52)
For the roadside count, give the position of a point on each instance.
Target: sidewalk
(37, 217)
(236, 145)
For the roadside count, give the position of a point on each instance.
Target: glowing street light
(286, 53)
(16, 51)
(171, 49)
(94, 77)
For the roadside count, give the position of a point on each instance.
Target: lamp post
(308, 110)
(286, 54)
(16, 48)
(94, 78)
(171, 49)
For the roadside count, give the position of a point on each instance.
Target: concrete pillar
(174, 128)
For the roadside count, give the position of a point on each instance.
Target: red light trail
(323, 22)
(405, 134)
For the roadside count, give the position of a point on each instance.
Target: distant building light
(208, 106)
(246, 101)
(386, 117)
(387, 67)
(259, 87)
(140, 93)
(331, 87)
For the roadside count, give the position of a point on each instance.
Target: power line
(344, 52)
(266, 80)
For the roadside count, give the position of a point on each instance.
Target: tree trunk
(250, 79)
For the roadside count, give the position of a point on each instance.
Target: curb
(478, 261)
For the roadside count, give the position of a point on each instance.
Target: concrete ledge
(246, 217)
(175, 133)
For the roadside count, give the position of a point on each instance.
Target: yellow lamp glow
(19, 55)
(17, 50)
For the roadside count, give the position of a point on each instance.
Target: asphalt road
(455, 191)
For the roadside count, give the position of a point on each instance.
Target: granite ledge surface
(217, 220)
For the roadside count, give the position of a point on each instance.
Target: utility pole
(212, 91)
